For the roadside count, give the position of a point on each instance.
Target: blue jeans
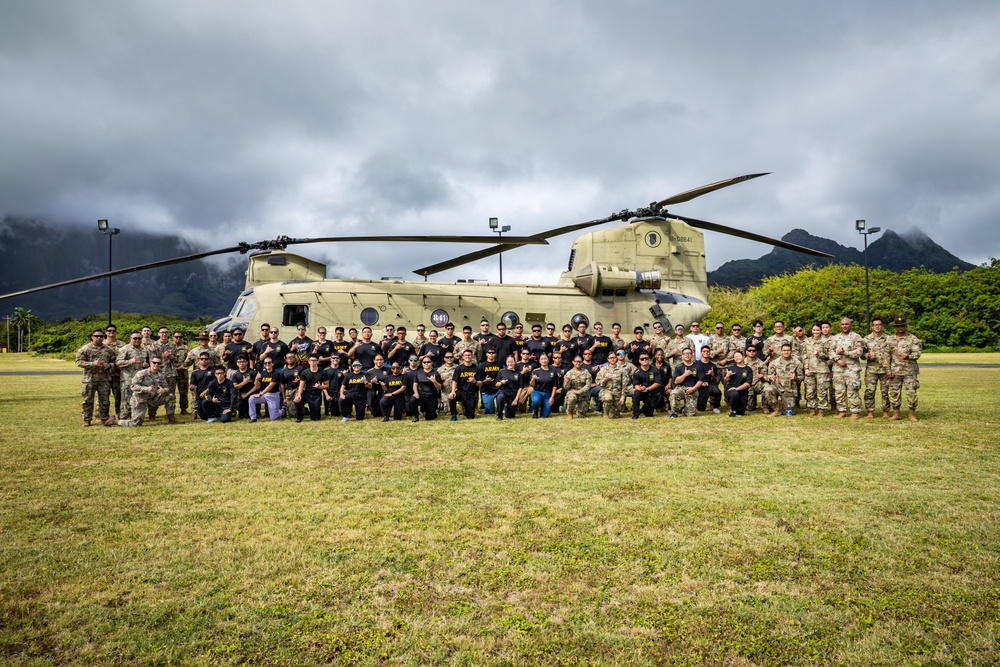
(489, 403)
(540, 403)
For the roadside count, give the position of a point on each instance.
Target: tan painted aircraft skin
(636, 274)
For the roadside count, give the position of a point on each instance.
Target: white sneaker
(344, 420)
(717, 411)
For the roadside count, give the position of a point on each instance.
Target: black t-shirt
(223, 391)
(436, 353)
(235, 350)
(583, 343)
(484, 340)
(335, 377)
(487, 373)
(267, 378)
(602, 350)
(635, 348)
(504, 347)
(538, 347)
(400, 352)
(393, 383)
(703, 371)
(448, 343)
(301, 347)
(258, 350)
(521, 366)
(290, 378)
(277, 353)
(466, 377)
(688, 381)
(425, 381)
(311, 378)
(647, 378)
(239, 376)
(546, 379)
(324, 349)
(201, 379)
(739, 376)
(757, 342)
(566, 348)
(353, 385)
(377, 376)
(340, 348)
(366, 353)
(508, 380)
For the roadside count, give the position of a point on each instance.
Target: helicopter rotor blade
(280, 244)
(732, 231)
(130, 269)
(704, 190)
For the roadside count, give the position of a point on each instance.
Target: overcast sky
(229, 121)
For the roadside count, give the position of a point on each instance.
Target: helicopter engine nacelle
(593, 279)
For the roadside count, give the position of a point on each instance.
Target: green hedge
(65, 337)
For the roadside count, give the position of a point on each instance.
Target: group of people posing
(500, 374)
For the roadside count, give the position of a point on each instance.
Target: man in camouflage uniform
(772, 346)
(760, 386)
(149, 387)
(468, 343)
(96, 360)
(876, 368)
(845, 350)
(785, 370)
(180, 358)
(686, 386)
(817, 372)
(659, 341)
(447, 373)
(167, 352)
(826, 330)
(112, 341)
(576, 384)
(612, 379)
(676, 346)
(131, 359)
(904, 351)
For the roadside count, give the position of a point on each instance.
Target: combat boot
(110, 421)
(870, 415)
(895, 415)
(855, 416)
(570, 414)
(812, 413)
(86, 422)
(819, 413)
(912, 415)
(841, 415)
(885, 413)
(172, 420)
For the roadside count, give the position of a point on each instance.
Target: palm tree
(23, 319)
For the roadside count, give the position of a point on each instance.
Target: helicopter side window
(293, 314)
(572, 256)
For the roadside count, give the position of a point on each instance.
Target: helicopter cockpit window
(572, 256)
(246, 308)
(510, 319)
(293, 314)
(580, 317)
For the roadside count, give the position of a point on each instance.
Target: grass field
(555, 542)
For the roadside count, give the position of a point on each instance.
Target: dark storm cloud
(258, 120)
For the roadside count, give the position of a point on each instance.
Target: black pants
(737, 400)
(467, 400)
(426, 403)
(356, 401)
(374, 402)
(210, 410)
(331, 406)
(709, 392)
(505, 403)
(389, 404)
(310, 403)
(646, 400)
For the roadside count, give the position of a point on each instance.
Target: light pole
(110, 233)
(495, 226)
(860, 226)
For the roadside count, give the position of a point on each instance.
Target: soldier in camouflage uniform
(876, 368)
(846, 348)
(468, 343)
(686, 386)
(677, 345)
(180, 359)
(96, 360)
(760, 386)
(576, 384)
(447, 373)
(904, 372)
(115, 344)
(131, 359)
(612, 379)
(148, 387)
(817, 372)
(167, 352)
(659, 341)
(785, 370)
(772, 346)
(617, 342)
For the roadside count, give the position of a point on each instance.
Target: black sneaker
(416, 418)
(499, 418)
(673, 416)
(385, 419)
(454, 418)
(635, 416)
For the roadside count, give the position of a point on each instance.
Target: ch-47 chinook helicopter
(650, 269)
